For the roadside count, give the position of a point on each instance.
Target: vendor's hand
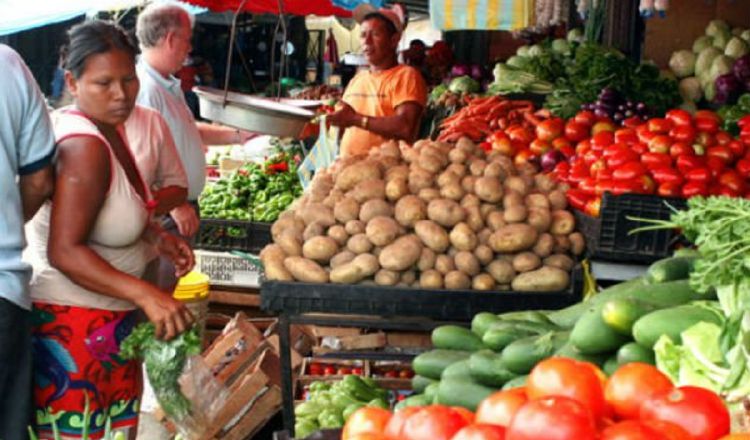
(177, 251)
(345, 117)
(169, 316)
(186, 219)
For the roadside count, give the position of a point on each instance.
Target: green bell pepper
(330, 418)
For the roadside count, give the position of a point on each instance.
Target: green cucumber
(432, 363)
(458, 370)
(487, 368)
(500, 334)
(453, 337)
(520, 356)
(539, 316)
(413, 400)
(419, 383)
(462, 392)
(431, 391)
(567, 317)
(670, 269)
(610, 366)
(621, 313)
(671, 322)
(592, 336)
(482, 321)
(569, 351)
(635, 352)
(518, 381)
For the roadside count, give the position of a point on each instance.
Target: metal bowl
(251, 113)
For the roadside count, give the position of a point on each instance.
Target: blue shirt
(27, 145)
(165, 96)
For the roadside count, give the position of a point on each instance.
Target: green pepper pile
(329, 405)
(254, 192)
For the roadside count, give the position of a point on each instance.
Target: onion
(550, 160)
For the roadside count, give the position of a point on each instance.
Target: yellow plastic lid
(194, 285)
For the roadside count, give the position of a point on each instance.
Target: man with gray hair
(164, 32)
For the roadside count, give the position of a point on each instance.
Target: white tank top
(116, 235)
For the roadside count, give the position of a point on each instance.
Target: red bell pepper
(667, 175)
(629, 171)
(656, 160)
(281, 167)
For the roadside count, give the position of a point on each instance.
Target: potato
(426, 259)
(577, 243)
(419, 178)
(408, 277)
(496, 220)
(486, 208)
(512, 198)
(458, 169)
(466, 144)
(557, 199)
(367, 263)
(444, 264)
(320, 249)
(445, 212)
(288, 224)
(467, 182)
(462, 237)
(346, 209)
(359, 268)
(526, 261)
(474, 218)
(446, 178)
(341, 258)
(488, 189)
(334, 197)
(396, 172)
(544, 245)
(476, 167)
(517, 184)
(317, 212)
(431, 279)
(338, 233)
(351, 175)
(376, 251)
(560, 261)
(374, 208)
(515, 214)
(402, 253)
(313, 230)
(502, 271)
(305, 270)
(457, 280)
(483, 281)
(452, 252)
(396, 188)
(390, 149)
(562, 244)
(484, 235)
(484, 254)
(368, 190)
(429, 194)
(457, 156)
(387, 278)
(290, 243)
(539, 218)
(537, 200)
(409, 210)
(452, 191)
(544, 183)
(546, 279)
(410, 155)
(513, 238)
(354, 227)
(563, 222)
(470, 200)
(467, 263)
(430, 162)
(382, 230)
(272, 257)
(359, 244)
(495, 170)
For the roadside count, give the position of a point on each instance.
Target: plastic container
(192, 289)
(232, 235)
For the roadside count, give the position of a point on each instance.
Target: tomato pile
(676, 156)
(563, 399)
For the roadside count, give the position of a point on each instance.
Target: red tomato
(520, 134)
(603, 126)
(639, 148)
(583, 146)
(732, 180)
(592, 156)
(562, 143)
(523, 157)
(391, 373)
(357, 371)
(585, 117)
(499, 407)
(316, 369)
(720, 152)
(631, 430)
(669, 430)
(692, 189)
(504, 146)
(344, 370)
(716, 165)
(656, 160)
(743, 166)
(700, 175)
(629, 171)
(329, 370)
(603, 185)
(681, 148)
(660, 144)
(626, 136)
(706, 121)
(558, 376)
(366, 420)
(577, 199)
(552, 418)
(395, 426)
(630, 385)
(736, 437)
(705, 139)
(626, 187)
(577, 131)
(405, 374)
(659, 125)
(550, 129)
(687, 162)
(644, 135)
(540, 146)
(723, 138)
(602, 139)
(465, 413)
(480, 432)
(737, 148)
(593, 207)
(667, 175)
(632, 122)
(435, 422)
(620, 156)
(683, 133)
(679, 117)
(697, 410)
(646, 184)
(669, 190)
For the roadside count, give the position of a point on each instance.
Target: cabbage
(709, 90)
(728, 88)
(682, 63)
(741, 68)
(561, 46)
(746, 35)
(717, 26)
(736, 48)
(701, 43)
(535, 50)
(721, 40)
(720, 65)
(704, 60)
(575, 35)
(523, 51)
(516, 61)
(463, 84)
(736, 32)
(690, 89)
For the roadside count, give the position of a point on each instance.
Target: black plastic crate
(325, 434)
(444, 305)
(608, 236)
(232, 235)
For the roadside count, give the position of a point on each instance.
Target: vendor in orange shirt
(386, 101)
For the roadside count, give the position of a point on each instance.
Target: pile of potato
(433, 216)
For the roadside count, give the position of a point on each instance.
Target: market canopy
(293, 7)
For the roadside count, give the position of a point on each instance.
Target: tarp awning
(293, 7)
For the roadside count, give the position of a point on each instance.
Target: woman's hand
(169, 316)
(186, 219)
(178, 251)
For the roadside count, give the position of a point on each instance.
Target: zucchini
(592, 336)
(431, 391)
(621, 313)
(635, 352)
(419, 383)
(522, 355)
(672, 322)
(458, 370)
(670, 269)
(500, 334)
(453, 337)
(482, 321)
(569, 351)
(486, 367)
(539, 316)
(567, 317)
(462, 392)
(518, 381)
(413, 400)
(431, 364)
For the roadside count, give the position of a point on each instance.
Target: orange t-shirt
(377, 94)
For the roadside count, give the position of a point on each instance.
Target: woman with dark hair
(90, 245)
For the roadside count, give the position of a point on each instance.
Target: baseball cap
(396, 14)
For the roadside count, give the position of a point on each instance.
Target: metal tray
(251, 113)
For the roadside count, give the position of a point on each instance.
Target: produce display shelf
(325, 434)
(232, 235)
(608, 237)
(448, 305)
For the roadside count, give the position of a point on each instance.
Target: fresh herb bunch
(164, 362)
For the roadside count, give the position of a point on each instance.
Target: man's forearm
(35, 189)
